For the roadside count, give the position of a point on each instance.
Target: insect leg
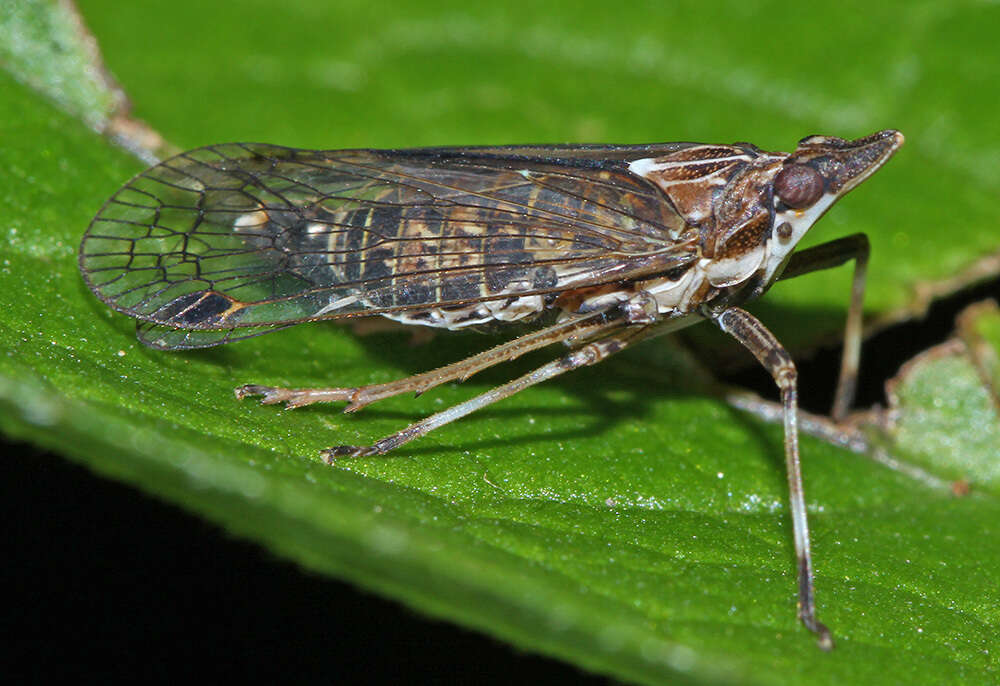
(748, 330)
(361, 396)
(826, 256)
(591, 353)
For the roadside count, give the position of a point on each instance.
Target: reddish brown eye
(798, 186)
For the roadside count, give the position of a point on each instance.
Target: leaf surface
(622, 518)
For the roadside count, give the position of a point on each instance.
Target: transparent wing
(259, 236)
(161, 337)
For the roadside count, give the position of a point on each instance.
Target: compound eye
(798, 186)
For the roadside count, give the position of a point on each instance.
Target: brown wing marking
(250, 235)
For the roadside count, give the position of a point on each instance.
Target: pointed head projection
(821, 171)
(752, 207)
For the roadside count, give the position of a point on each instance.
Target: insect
(601, 246)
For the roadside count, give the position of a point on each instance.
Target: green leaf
(943, 405)
(43, 44)
(621, 518)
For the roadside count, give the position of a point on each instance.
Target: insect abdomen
(448, 259)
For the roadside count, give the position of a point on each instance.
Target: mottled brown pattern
(292, 235)
(688, 177)
(745, 237)
(842, 172)
(701, 154)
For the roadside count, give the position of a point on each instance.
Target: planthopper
(598, 246)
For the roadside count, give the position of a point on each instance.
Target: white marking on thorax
(694, 215)
(649, 165)
(671, 295)
(800, 221)
(675, 296)
(733, 270)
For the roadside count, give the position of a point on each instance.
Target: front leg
(748, 330)
(827, 256)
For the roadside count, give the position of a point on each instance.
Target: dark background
(102, 580)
